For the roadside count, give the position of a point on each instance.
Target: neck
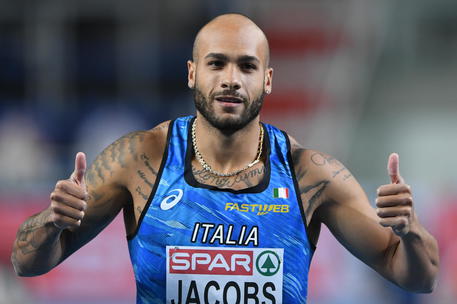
(227, 152)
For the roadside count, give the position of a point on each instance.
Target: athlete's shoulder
(158, 132)
(139, 144)
(138, 140)
(154, 140)
(316, 164)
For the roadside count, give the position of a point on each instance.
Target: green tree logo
(268, 263)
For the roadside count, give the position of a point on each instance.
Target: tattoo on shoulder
(320, 159)
(116, 153)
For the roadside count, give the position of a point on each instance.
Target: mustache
(232, 93)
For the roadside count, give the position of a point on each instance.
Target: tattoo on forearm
(29, 238)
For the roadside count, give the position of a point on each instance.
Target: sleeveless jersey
(197, 243)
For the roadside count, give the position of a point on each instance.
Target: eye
(248, 66)
(216, 64)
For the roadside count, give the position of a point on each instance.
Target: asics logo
(171, 200)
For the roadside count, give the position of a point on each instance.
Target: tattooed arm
(80, 208)
(331, 195)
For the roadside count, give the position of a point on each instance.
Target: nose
(230, 79)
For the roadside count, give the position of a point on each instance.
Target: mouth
(229, 99)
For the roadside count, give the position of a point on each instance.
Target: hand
(394, 201)
(69, 198)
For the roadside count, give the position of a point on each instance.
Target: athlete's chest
(216, 242)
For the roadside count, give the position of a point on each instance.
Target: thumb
(393, 168)
(80, 168)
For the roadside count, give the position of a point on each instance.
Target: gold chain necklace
(208, 168)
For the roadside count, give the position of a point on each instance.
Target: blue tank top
(197, 243)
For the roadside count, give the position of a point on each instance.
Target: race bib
(209, 275)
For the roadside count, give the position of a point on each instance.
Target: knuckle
(379, 212)
(60, 185)
(405, 188)
(407, 212)
(76, 205)
(81, 205)
(54, 208)
(408, 200)
(56, 197)
(402, 222)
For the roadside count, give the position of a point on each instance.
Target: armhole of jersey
(297, 189)
(156, 183)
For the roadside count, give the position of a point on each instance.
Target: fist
(394, 201)
(69, 198)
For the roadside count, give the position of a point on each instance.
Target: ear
(190, 74)
(268, 80)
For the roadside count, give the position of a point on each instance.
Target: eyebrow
(223, 57)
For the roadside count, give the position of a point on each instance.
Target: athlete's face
(229, 75)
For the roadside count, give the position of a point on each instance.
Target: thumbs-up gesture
(69, 198)
(394, 201)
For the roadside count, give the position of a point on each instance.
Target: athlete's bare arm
(389, 239)
(121, 177)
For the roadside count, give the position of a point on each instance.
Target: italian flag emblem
(281, 192)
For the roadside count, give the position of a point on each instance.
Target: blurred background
(357, 79)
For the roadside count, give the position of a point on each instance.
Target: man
(221, 208)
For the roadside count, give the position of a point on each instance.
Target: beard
(227, 126)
